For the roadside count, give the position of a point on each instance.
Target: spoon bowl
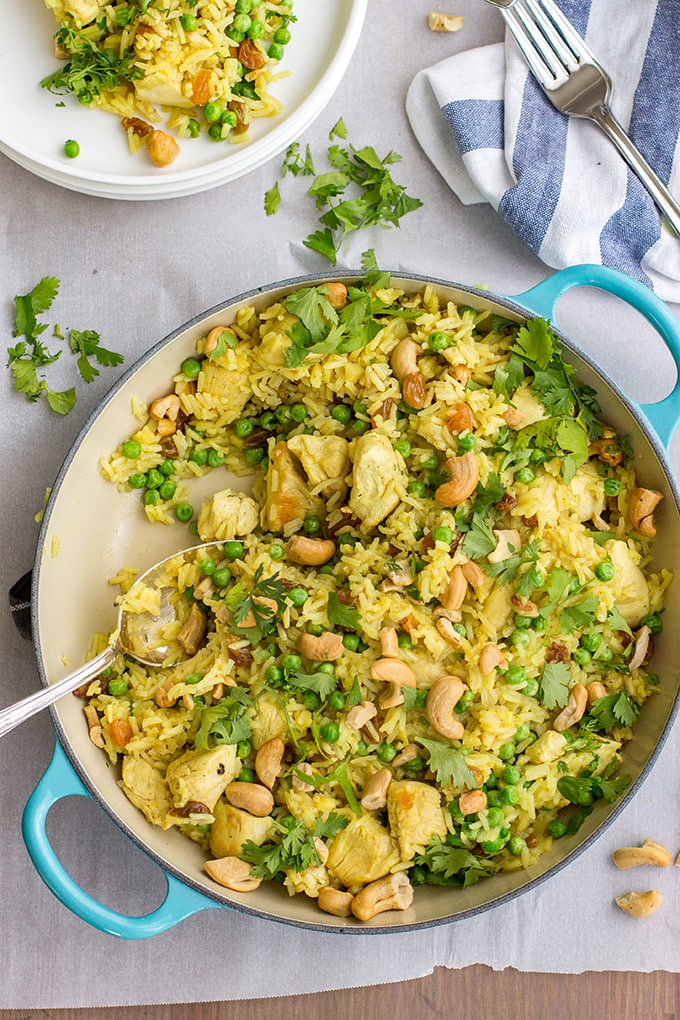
(139, 634)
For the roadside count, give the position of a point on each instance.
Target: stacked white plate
(34, 123)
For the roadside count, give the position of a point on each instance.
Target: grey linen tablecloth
(134, 272)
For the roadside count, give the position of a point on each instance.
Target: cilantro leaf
(312, 306)
(225, 722)
(615, 710)
(453, 865)
(479, 540)
(536, 342)
(342, 615)
(272, 200)
(448, 763)
(553, 690)
(322, 683)
(580, 615)
(61, 401)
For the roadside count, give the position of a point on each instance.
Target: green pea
(326, 667)
(337, 701)
(184, 512)
(403, 447)
(188, 22)
(515, 676)
(193, 128)
(531, 688)
(311, 525)
(351, 642)
(291, 663)
(118, 686)
(241, 22)
(246, 775)
(256, 30)
(273, 675)
(538, 457)
(581, 656)
(131, 449)
(417, 488)
(207, 567)
(330, 732)
(466, 699)
(386, 752)
(360, 427)
(212, 112)
(243, 427)
(268, 420)
(467, 310)
(517, 845)
(298, 597)
(604, 571)
(520, 638)
(299, 413)
(362, 747)
(346, 539)
(243, 748)
(167, 467)
(222, 577)
(283, 415)
(430, 463)
(311, 700)
(154, 478)
(229, 118)
(242, 6)
(491, 782)
(612, 487)
(233, 550)
(137, 480)
(404, 640)
(282, 36)
(525, 475)
(605, 654)
(277, 551)
(653, 621)
(199, 457)
(315, 628)
(467, 440)
(492, 846)
(509, 795)
(342, 413)
(557, 828)
(167, 489)
(511, 774)
(253, 456)
(507, 751)
(71, 148)
(275, 51)
(493, 798)
(522, 733)
(495, 816)
(443, 534)
(215, 458)
(438, 341)
(591, 642)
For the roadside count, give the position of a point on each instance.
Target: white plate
(33, 130)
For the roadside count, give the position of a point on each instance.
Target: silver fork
(576, 83)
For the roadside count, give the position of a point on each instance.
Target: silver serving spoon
(136, 634)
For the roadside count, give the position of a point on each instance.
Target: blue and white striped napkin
(559, 182)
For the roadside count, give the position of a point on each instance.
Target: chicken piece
(227, 515)
(192, 630)
(146, 788)
(415, 815)
(231, 384)
(325, 460)
(588, 488)
(288, 499)
(161, 92)
(233, 827)
(628, 585)
(82, 11)
(268, 720)
(528, 405)
(378, 480)
(202, 776)
(498, 608)
(550, 746)
(362, 852)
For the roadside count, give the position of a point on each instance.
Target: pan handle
(664, 415)
(59, 781)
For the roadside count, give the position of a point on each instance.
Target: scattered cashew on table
(649, 852)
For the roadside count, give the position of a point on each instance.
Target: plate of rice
(160, 100)
(419, 657)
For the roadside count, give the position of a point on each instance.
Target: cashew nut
(513, 417)
(393, 892)
(461, 373)
(448, 631)
(463, 478)
(508, 542)
(336, 292)
(574, 709)
(641, 507)
(94, 726)
(233, 873)
(268, 761)
(438, 22)
(393, 671)
(473, 573)
(649, 852)
(310, 552)
(641, 647)
(389, 642)
(456, 589)
(374, 797)
(335, 901)
(249, 619)
(359, 715)
(596, 690)
(472, 801)
(324, 647)
(525, 607)
(640, 904)
(443, 697)
(404, 360)
(251, 797)
(214, 337)
(393, 697)
(410, 753)
(165, 407)
(490, 658)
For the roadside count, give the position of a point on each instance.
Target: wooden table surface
(475, 993)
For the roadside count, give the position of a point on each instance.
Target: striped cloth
(559, 182)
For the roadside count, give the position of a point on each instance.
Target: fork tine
(548, 21)
(568, 33)
(533, 45)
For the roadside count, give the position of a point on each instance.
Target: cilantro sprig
(293, 850)
(31, 354)
(450, 865)
(90, 69)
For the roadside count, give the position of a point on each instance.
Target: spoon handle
(15, 714)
